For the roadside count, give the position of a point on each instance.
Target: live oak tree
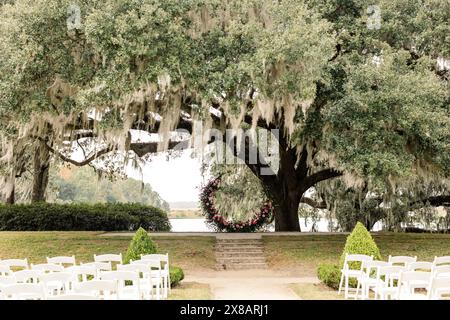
(355, 88)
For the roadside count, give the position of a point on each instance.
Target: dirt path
(249, 284)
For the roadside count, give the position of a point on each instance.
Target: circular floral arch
(220, 223)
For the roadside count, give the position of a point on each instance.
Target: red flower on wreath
(219, 223)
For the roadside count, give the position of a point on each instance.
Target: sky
(176, 179)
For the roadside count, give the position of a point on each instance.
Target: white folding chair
(445, 260)
(24, 291)
(27, 276)
(109, 258)
(6, 281)
(99, 266)
(165, 271)
(64, 261)
(157, 278)
(369, 278)
(102, 289)
(72, 296)
(347, 273)
(386, 282)
(401, 260)
(47, 267)
(56, 283)
(420, 266)
(15, 263)
(5, 271)
(441, 271)
(125, 291)
(145, 279)
(409, 281)
(83, 272)
(439, 289)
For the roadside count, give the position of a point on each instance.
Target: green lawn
(301, 255)
(191, 291)
(313, 291)
(187, 252)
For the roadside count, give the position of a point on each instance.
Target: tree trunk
(286, 190)
(11, 197)
(286, 212)
(41, 166)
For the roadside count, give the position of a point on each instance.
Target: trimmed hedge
(176, 275)
(329, 274)
(82, 217)
(359, 241)
(139, 245)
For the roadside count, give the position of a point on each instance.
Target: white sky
(176, 179)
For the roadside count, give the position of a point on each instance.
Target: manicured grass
(185, 214)
(191, 291)
(302, 254)
(187, 252)
(314, 291)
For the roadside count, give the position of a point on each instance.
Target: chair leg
(346, 288)
(357, 290)
(340, 283)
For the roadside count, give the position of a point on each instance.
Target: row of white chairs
(146, 278)
(397, 278)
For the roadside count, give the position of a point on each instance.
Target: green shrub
(82, 217)
(360, 241)
(140, 244)
(329, 274)
(176, 275)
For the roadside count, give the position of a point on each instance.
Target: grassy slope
(187, 252)
(303, 254)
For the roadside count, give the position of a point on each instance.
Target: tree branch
(313, 203)
(321, 176)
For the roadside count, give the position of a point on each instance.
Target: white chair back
(102, 289)
(420, 266)
(72, 296)
(6, 280)
(409, 281)
(24, 291)
(62, 260)
(361, 258)
(47, 267)
(125, 290)
(83, 272)
(445, 260)
(5, 271)
(27, 276)
(117, 258)
(15, 263)
(99, 266)
(154, 264)
(401, 260)
(439, 289)
(56, 282)
(442, 271)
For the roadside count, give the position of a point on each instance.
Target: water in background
(199, 225)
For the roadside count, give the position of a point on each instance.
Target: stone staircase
(240, 254)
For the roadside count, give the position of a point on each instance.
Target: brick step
(243, 246)
(239, 254)
(242, 266)
(239, 242)
(239, 248)
(233, 260)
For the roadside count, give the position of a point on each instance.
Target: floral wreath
(219, 223)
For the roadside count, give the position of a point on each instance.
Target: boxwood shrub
(359, 241)
(176, 275)
(82, 217)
